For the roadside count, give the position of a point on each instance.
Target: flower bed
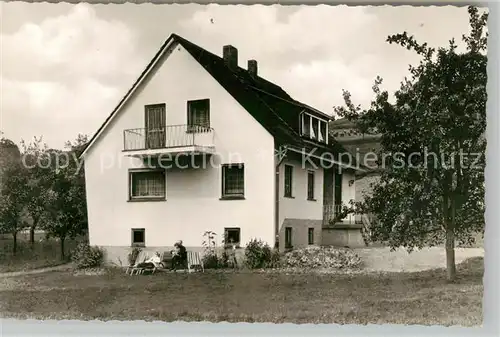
(322, 257)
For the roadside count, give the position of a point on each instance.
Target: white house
(199, 144)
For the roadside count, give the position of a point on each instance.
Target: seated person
(150, 263)
(179, 255)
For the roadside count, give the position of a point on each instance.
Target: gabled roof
(268, 103)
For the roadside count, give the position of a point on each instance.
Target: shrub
(132, 256)
(210, 261)
(257, 254)
(275, 260)
(323, 257)
(85, 256)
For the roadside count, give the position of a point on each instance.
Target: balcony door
(155, 122)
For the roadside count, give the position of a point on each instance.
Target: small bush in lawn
(323, 257)
(210, 261)
(85, 256)
(257, 254)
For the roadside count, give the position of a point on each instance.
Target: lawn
(400, 298)
(44, 253)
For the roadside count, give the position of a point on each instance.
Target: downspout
(281, 153)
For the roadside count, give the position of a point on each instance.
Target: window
(310, 236)
(138, 237)
(306, 125)
(147, 184)
(288, 237)
(310, 185)
(322, 132)
(199, 115)
(288, 180)
(233, 181)
(231, 236)
(314, 128)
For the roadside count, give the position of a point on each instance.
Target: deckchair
(194, 261)
(143, 256)
(154, 269)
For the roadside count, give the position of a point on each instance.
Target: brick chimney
(252, 68)
(230, 56)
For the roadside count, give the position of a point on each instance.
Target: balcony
(331, 214)
(169, 140)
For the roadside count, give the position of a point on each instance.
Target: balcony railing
(332, 213)
(171, 136)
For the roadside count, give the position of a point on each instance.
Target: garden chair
(154, 269)
(143, 256)
(194, 261)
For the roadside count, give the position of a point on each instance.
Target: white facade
(193, 202)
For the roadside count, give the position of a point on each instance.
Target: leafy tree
(431, 188)
(35, 161)
(66, 210)
(13, 198)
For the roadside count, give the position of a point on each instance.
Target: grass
(45, 253)
(398, 298)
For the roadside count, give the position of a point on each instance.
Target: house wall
(298, 212)
(192, 204)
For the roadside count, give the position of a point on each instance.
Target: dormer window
(314, 128)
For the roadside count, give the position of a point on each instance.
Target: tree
(431, 189)
(13, 198)
(66, 210)
(35, 162)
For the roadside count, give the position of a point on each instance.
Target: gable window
(288, 237)
(306, 125)
(310, 185)
(147, 184)
(198, 115)
(288, 180)
(233, 181)
(138, 237)
(314, 128)
(232, 236)
(322, 132)
(310, 236)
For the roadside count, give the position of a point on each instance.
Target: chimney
(252, 68)
(230, 56)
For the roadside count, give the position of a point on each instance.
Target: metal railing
(170, 136)
(332, 213)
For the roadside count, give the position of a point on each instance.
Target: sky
(64, 67)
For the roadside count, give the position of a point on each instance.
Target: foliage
(35, 160)
(257, 254)
(85, 256)
(276, 259)
(210, 258)
(13, 197)
(132, 255)
(66, 209)
(322, 257)
(433, 143)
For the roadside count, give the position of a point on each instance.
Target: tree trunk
(62, 247)
(32, 232)
(32, 237)
(14, 247)
(451, 272)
